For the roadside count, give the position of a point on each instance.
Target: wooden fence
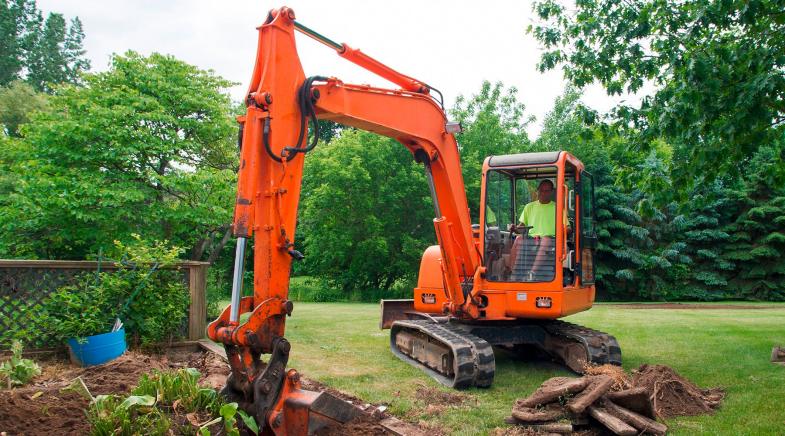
(25, 284)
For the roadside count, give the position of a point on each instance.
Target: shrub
(147, 409)
(150, 301)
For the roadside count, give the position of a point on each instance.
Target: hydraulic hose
(307, 111)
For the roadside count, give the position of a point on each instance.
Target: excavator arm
(281, 104)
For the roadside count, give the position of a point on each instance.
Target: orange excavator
(503, 282)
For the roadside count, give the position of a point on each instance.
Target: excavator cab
(537, 253)
(534, 228)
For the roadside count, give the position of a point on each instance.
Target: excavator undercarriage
(460, 354)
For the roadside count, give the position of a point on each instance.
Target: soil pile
(120, 375)
(34, 411)
(42, 408)
(607, 398)
(672, 395)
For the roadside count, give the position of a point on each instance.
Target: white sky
(452, 45)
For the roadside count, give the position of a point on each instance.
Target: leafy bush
(218, 289)
(150, 301)
(16, 370)
(317, 290)
(181, 386)
(366, 213)
(112, 415)
(158, 395)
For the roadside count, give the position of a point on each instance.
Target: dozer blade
(453, 357)
(395, 310)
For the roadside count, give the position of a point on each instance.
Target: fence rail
(25, 284)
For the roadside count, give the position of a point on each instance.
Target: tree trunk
(216, 251)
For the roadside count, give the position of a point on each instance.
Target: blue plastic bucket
(98, 349)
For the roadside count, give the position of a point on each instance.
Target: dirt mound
(28, 412)
(120, 375)
(673, 395)
(43, 409)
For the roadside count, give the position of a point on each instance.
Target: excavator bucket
(395, 310)
(307, 412)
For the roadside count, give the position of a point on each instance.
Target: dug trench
(47, 407)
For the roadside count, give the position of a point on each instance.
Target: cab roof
(547, 157)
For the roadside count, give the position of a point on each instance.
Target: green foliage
(366, 212)
(181, 386)
(17, 101)
(151, 301)
(725, 242)
(157, 396)
(113, 415)
(43, 52)
(146, 147)
(314, 289)
(716, 68)
(17, 371)
(494, 123)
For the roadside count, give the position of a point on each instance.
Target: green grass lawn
(341, 345)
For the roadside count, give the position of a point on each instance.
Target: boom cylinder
(237, 280)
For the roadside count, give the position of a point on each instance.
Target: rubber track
(602, 348)
(473, 358)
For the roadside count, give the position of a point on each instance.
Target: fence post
(197, 313)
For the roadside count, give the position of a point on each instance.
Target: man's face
(545, 193)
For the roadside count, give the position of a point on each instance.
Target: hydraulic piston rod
(237, 280)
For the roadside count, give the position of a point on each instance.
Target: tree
(366, 215)
(56, 55)
(44, 53)
(717, 69)
(15, 18)
(494, 123)
(147, 147)
(17, 101)
(635, 258)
